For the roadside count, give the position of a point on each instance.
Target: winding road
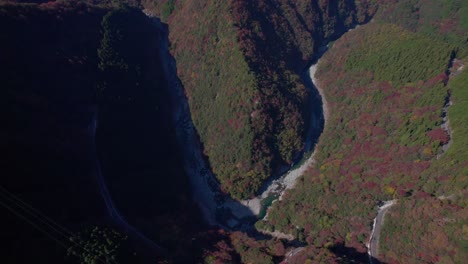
(373, 243)
(291, 254)
(204, 186)
(149, 245)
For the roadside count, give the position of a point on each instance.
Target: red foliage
(439, 134)
(370, 185)
(421, 195)
(377, 131)
(441, 78)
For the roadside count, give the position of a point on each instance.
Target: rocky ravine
(288, 180)
(218, 208)
(456, 69)
(277, 187)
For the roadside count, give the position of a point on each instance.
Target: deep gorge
(181, 140)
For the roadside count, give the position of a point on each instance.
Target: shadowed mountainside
(63, 64)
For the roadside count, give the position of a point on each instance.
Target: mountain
(393, 88)
(94, 168)
(242, 66)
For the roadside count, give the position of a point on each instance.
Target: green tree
(101, 245)
(123, 54)
(167, 9)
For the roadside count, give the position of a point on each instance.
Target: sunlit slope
(386, 87)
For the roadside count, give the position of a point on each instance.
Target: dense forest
(387, 85)
(93, 170)
(244, 84)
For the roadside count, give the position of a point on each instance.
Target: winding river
(217, 208)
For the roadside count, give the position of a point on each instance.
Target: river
(220, 209)
(217, 208)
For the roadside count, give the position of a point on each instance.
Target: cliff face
(241, 64)
(65, 64)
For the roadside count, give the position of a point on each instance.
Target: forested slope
(241, 64)
(434, 226)
(387, 85)
(440, 19)
(396, 89)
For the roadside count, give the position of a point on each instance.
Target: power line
(33, 224)
(37, 215)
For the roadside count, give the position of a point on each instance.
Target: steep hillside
(64, 66)
(241, 64)
(88, 136)
(444, 19)
(436, 224)
(388, 88)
